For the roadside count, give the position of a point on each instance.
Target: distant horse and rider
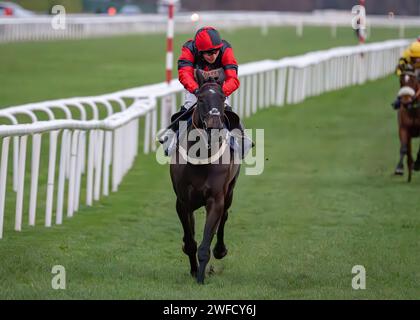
(407, 105)
(408, 120)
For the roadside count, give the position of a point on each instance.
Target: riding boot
(169, 138)
(247, 143)
(241, 143)
(396, 104)
(171, 142)
(168, 134)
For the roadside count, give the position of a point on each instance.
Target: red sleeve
(186, 70)
(231, 72)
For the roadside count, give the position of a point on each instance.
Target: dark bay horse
(408, 122)
(209, 185)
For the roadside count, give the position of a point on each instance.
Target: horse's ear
(200, 77)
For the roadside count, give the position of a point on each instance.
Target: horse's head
(211, 100)
(408, 77)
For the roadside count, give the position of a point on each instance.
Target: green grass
(326, 201)
(54, 70)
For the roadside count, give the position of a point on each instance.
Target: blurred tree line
(44, 6)
(399, 7)
(78, 6)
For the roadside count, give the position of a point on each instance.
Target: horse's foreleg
(399, 170)
(409, 159)
(417, 162)
(190, 245)
(215, 211)
(219, 250)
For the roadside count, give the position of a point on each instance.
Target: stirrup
(163, 135)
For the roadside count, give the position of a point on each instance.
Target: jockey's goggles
(211, 52)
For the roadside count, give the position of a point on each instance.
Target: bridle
(213, 110)
(407, 76)
(222, 146)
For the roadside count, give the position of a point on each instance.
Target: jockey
(410, 56)
(207, 51)
(404, 60)
(406, 57)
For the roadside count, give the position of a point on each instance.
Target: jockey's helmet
(207, 39)
(415, 50)
(406, 53)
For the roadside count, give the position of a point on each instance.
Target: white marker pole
(166, 106)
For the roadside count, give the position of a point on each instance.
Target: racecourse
(327, 199)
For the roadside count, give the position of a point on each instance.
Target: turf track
(326, 201)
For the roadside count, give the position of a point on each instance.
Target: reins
(195, 127)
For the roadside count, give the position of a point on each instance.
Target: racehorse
(209, 185)
(408, 121)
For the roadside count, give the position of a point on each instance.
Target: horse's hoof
(211, 271)
(219, 253)
(399, 172)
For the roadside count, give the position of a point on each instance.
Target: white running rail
(98, 137)
(40, 28)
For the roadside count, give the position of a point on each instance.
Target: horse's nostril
(214, 112)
